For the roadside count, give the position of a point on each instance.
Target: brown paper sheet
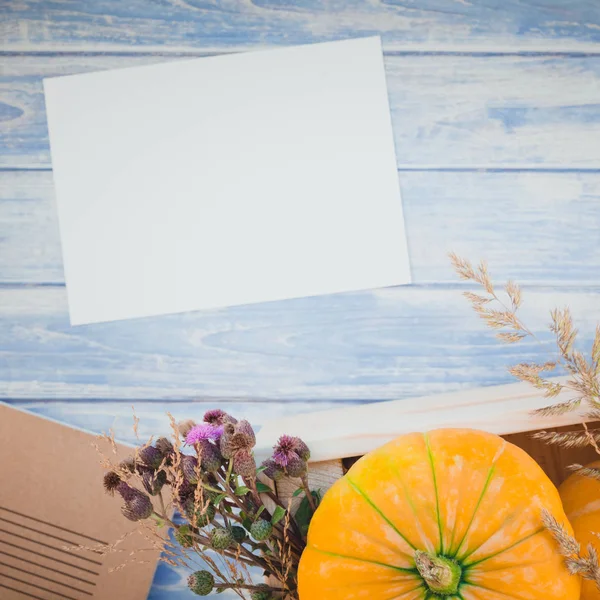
(51, 497)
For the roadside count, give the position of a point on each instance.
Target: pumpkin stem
(442, 575)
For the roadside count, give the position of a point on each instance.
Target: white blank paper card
(226, 180)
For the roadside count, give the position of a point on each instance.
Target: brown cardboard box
(51, 497)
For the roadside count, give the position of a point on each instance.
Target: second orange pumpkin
(581, 500)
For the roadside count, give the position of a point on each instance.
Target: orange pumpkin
(452, 514)
(581, 501)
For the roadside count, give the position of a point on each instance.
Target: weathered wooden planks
(184, 25)
(500, 111)
(541, 228)
(387, 344)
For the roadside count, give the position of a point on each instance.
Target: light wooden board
(553, 459)
(386, 344)
(501, 111)
(175, 25)
(538, 228)
(511, 87)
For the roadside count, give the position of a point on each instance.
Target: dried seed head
(218, 417)
(244, 464)
(238, 436)
(164, 446)
(185, 426)
(111, 482)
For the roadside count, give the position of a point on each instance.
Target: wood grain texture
(538, 228)
(501, 111)
(383, 344)
(137, 25)
(321, 476)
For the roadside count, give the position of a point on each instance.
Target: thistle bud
(184, 537)
(210, 456)
(302, 450)
(153, 482)
(272, 470)
(150, 457)
(296, 467)
(189, 466)
(201, 583)
(221, 538)
(244, 464)
(137, 505)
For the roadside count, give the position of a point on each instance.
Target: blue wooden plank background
(496, 115)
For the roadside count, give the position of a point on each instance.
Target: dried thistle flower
(164, 446)
(111, 482)
(218, 417)
(289, 453)
(184, 427)
(212, 495)
(244, 464)
(236, 436)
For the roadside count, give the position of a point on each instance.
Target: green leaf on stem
(262, 488)
(297, 492)
(217, 499)
(259, 512)
(278, 514)
(304, 513)
(241, 490)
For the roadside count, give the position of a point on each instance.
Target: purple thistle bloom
(204, 431)
(285, 450)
